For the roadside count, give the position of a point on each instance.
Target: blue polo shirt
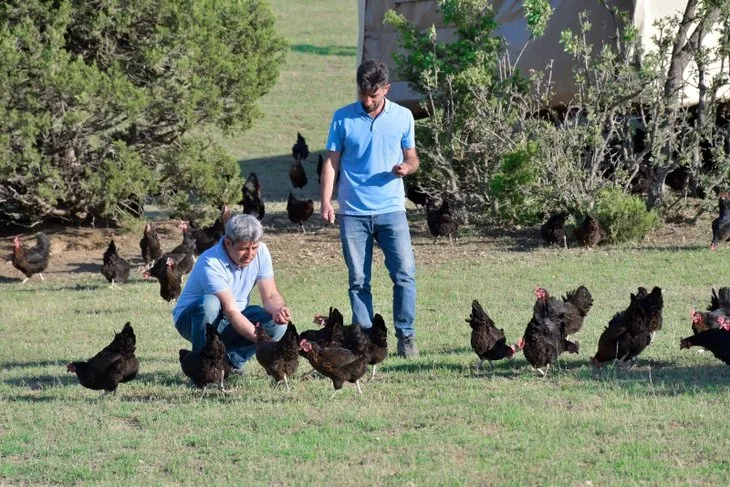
(369, 148)
(215, 271)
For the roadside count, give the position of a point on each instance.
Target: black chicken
(252, 202)
(116, 363)
(589, 233)
(209, 365)
(719, 308)
(415, 193)
(279, 359)
(299, 211)
(297, 175)
(716, 340)
(440, 221)
(553, 230)
(721, 224)
(377, 336)
(33, 260)
(114, 267)
(150, 244)
(631, 331)
(300, 150)
(487, 341)
(168, 270)
(544, 340)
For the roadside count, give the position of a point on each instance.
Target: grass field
(430, 421)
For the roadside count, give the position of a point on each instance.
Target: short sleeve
(409, 136)
(335, 137)
(266, 269)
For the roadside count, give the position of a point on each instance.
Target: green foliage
(537, 13)
(624, 216)
(513, 186)
(98, 93)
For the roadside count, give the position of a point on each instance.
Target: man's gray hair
(244, 228)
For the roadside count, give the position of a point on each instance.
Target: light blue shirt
(369, 148)
(215, 271)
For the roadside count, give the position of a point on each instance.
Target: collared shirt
(369, 148)
(215, 271)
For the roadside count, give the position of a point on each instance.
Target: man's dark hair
(371, 76)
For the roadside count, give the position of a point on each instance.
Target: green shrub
(624, 216)
(513, 186)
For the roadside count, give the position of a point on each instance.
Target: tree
(107, 102)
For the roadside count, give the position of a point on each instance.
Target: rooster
(209, 365)
(721, 224)
(631, 331)
(487, 341)
(115, 364)
(33, 260)
(440, 221)
(590, 233)
(553, 230)
(279, 359)
(299, 211)
(114, 267)
(716, 340)
(252, 202)
(150, 244)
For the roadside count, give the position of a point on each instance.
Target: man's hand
(328, 212)
(401, 170)
(282, 315)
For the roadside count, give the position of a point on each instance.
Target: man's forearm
(241, 324)
(412, 163)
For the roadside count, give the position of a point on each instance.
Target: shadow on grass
(84, 267)
(7, 280)
(345, 51)
(34, 363)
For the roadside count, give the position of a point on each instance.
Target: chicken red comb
(724, 323)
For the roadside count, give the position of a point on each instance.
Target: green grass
(431, 421)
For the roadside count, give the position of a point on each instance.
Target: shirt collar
(361, 111)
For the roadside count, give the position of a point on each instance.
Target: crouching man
(218, 290)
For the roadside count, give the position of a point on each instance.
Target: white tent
(377, 39)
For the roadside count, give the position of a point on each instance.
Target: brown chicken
(252, 202)
(299, 211)
(544, 339)
(168, 271)
(590, 233)
(150, 244)
(279, 359)
(115, 364)
(631, 331)
(33, 260)
(339, 364)
(209, 365)
(721, 224)
(487, 341)
(441, 222)
(297, 175)
(114, 267)
(716, 340)
(553, 230)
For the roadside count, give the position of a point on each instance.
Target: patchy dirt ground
(79, 250)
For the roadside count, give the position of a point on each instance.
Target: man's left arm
(273, 301)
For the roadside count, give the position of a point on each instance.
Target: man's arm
(409, 165)
(273, 301)
(239, 322)
(329, 170)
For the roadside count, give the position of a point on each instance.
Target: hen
(300, 150)
(33, 260)
(553, 230)
(168, 270)
(116, 363)
(590, 233)
(631, 331)
(297, 175)
(252, 202)
(719, 308)
(377, 337)
(207, 237)
(150, 244)
(544, 340)
(114, 267)
(415, 193)
(208, 365)
(338, 363)
(487, 341)
(299, 211)
(577, 304)
(716, 340)
(721, 224)
(440, 221)
(279, 359)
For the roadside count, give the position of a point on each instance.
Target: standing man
(218, 289)
(372, 143)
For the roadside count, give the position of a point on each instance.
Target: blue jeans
(207, 309)
(390, 230)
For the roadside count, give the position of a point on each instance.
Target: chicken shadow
(83, 267)
(40, 382)
(8, 280)
(35, 363)
(417, 367)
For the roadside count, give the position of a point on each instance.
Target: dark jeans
(390, 230)
(191, 327)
